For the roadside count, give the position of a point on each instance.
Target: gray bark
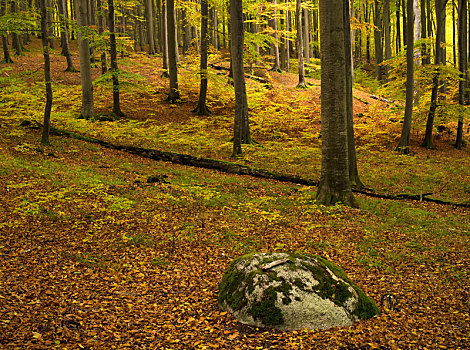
(174, 94)
(241, 131)
(404, 144)
(87, 109)
(334, 181)
(299, 42)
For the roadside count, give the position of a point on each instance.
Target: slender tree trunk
(174, 94)
(150, 26)
(103, 58)
(387, 37)
(287, 41)
(50, 33)
(454, 32)
(306, 36)
(404, 144)
(352, 160)
(463, 83)
(276, 65)
(398, 41)
(367, 18)
(6, 51)
(114, 66)
(164, 25)
(201, 108)
(87, 110)
(241, 130)
(417, 36)
(186, 31)
(47, 73)
(440, 24)
(316, 52)
(424, 49)
(403, 6)
(300, 54)
(15, 38)
(378, 41)
(140, 34)
(65, 37)
(334, 180)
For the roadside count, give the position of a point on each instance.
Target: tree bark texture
(241, 131)
(47, 73)
(174, 94)
(404, 143)
(201, 108)
(334, 180)
(114, 66)
(87, 109)
(299, 43)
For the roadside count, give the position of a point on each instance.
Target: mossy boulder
(291, 291)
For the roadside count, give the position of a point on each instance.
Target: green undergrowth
(285, 125)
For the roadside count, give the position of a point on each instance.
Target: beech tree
(241, 130)
(334, 184)
(174, 94)
(47, 72)
(87, 109)
(299, 43)
(114, 67)
(463, 82)
(201, 108)
(404, 144)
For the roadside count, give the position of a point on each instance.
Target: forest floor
(92, 256)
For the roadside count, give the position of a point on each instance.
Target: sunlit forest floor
(93, 256)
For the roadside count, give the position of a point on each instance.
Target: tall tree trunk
(316, 52)
(186, 30)
(103, 58)
(417, 36)
(367, 19)
(114, 66)
(164, 26)
(463, 82)
(404, 144)
(6, 51)
(87, 110)
(299, 42)
(378, 41)
(387, 37)
(174, 94)
(50, 33)
(276, 65)
(404, 24)
(65, 37)
(306, 36)
(47, 73)
(352, 160)
(287, 41)
(150, 26)
(424, 49)
(201, 108)
(15, 38)
(241, 130)
(334, 180)
(140, 34)
(398, 41)
(440, 24)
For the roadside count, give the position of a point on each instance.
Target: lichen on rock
(291, 291)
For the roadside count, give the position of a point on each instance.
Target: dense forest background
(144, 145)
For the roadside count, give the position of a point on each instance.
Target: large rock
(291, 291)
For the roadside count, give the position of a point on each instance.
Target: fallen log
(249, 76)
(233, 168)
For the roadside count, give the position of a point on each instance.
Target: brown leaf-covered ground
(94, 257)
